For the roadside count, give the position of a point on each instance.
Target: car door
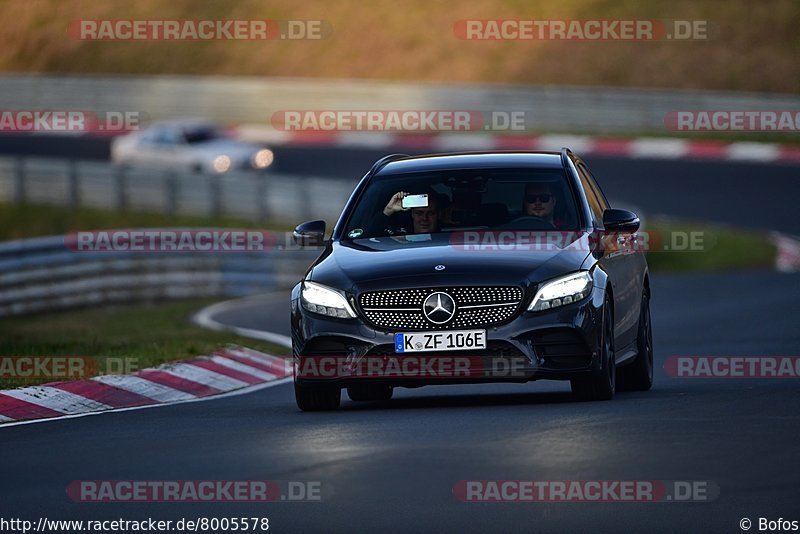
(619, 262)
(163, 150)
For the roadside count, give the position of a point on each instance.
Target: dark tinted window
(513, 199)
(596, 203)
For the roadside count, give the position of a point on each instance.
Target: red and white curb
(667, 148)
(232, 370)
(788, 257)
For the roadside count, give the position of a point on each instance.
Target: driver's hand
(395, 203)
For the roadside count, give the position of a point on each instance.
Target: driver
(539, 201)
(425, 220)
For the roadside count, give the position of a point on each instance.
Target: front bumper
(557, 344)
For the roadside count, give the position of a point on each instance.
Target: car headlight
(325, 301)
(222, 163)
(263, 158)
(562, 291)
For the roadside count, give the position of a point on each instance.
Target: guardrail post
(215, 192)
(121, 188)
(19, 181)
(73, 184)
(171, 194)
(261, 198)
(306, 198)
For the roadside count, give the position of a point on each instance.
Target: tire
(638, 376)
(370, 392)
(317, 398)
(602, 384)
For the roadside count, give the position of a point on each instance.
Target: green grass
(718, 248)
(18, 221)
(142, 335)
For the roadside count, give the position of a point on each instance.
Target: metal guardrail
(254, 100)
(248, 196)
(43, 274)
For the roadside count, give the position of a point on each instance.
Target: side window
(601, 197)
(591, 196)
(165, 137)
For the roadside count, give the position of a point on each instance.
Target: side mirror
(621, 221)
(309, 234)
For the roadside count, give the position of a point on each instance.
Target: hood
(416, 261)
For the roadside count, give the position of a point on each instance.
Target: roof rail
(378, 165)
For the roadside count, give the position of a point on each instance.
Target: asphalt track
(392, 466)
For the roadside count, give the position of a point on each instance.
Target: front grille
(475, 306)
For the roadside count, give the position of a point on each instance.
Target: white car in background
(193, 145)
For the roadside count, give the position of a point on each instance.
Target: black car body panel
(559, 343)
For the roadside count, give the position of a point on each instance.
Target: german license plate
(436, 341)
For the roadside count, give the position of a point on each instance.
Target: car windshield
(202, 135)
(455, 200)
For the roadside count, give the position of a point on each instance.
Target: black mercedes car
(469, 268)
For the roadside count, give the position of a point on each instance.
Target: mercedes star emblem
(439, 307)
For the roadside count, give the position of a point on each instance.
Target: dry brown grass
(757, 48)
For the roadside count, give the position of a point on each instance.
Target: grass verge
(705, 247)
(18, 221)
(136, 336)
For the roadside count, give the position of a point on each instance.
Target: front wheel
(602, 384)
(638, 376)
(316, 398)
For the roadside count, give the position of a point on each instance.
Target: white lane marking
(576, 143)
(4, 419)
(56, 399)
(145, 388)
(242, 368)
(659, 148)
(204, 376)
(205, 319)
(463, 141)
(747, 151)
(365, 139)
(243, 391)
